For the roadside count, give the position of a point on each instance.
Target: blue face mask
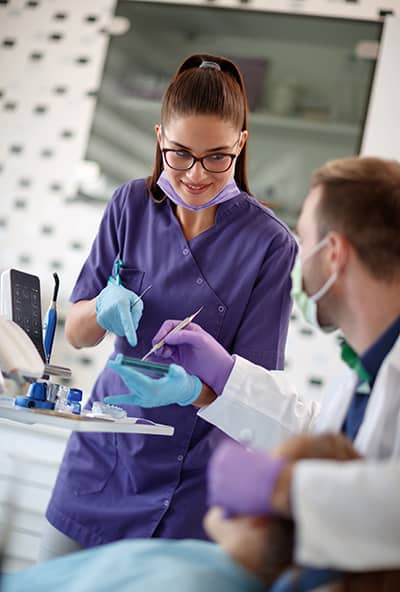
(228, 192)
(306, 303)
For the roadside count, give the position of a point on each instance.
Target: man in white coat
(346, 513)
(347, 277)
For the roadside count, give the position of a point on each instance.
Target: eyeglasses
(183, 160)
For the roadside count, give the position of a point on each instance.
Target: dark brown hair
(279, 550)
(205, 91)
(360, 199)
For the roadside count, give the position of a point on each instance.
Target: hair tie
(207, 64)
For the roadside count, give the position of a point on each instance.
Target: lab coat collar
(381, 417)
(337, 400)
(372, 359)
(393, 358)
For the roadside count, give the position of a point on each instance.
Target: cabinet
(309, 102)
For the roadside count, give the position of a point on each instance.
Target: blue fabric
(302, 580)
(139, 566)
(371, 360)
(114, 486)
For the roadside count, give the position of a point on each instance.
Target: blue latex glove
(116, 311)
(176, 387)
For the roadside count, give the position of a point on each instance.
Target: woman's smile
(195, 188)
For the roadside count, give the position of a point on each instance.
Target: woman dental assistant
(195, 234)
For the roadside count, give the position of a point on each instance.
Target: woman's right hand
(197, 351)
(119, 310)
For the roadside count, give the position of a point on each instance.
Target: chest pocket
(132, 279)
(213, 315)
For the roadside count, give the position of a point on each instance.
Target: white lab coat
(347, 514)
(259, 407)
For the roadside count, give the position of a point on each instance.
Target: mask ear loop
(322, 243)
(329, 283)
(325, 288)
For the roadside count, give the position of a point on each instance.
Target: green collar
(351, 358)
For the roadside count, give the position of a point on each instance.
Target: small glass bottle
(61, 398)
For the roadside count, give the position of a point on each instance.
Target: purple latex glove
(241, 481)
(197, 351)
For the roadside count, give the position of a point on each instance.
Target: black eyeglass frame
(195, 159)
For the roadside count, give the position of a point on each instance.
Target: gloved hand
(197, 351)
(116, 311)
(176, 387)
(241, 481)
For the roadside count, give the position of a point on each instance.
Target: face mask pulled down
(228, 192)
(308, 304)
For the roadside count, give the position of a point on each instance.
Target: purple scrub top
(116, 486)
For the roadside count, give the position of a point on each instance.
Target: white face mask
(306, 303)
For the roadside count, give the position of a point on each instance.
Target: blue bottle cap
(74, 394)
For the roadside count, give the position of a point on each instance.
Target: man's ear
(340, 250)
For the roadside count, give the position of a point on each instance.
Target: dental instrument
(50, 322)
(180, 326)
(141, 296)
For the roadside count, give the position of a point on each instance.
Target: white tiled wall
(51, 59)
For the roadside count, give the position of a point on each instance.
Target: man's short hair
(360, 199)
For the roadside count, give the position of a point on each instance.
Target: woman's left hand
(176, 387)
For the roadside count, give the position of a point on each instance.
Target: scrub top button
(199, 281)
(185, 251)
(166, 503)
(180, 457)
(221, 309)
